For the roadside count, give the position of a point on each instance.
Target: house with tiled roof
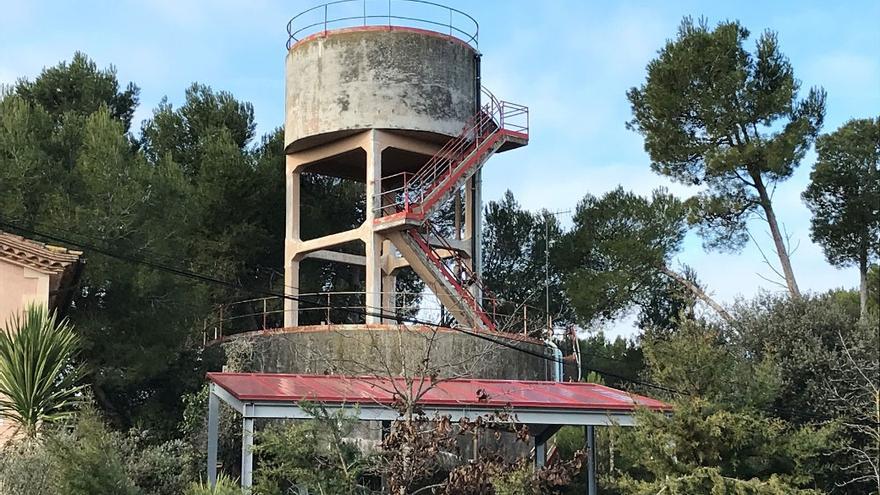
(34, 272)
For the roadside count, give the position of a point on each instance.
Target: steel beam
(247, 454)
(213, 434)
(364, 412)
(590, 437)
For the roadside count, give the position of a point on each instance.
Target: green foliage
(616, 250)
(803, 339)
(87, 460)
(698, 359)
(38, 374)
(620, 357)
(514, 260)
(844, 192)
(225, 486)
(702, 445)
(516, 482)
(714, 114)
(313, 454)
(165, 468)
(80, 89)
(25, 469)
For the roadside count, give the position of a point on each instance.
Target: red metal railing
(407, 13)
(458, 275)
(418, 192)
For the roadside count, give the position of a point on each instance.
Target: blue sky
(571, 62)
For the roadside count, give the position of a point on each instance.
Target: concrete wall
(20, 286)
(369, 349)
(377, 77)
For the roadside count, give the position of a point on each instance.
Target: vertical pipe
(247, 454)
(547, 270)
(213, 427)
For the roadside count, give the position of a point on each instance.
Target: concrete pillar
(373, 242)
(389, 285)
(291, 288)
(213, 433)
(292, 236)
(247, 454)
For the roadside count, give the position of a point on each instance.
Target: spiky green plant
(38, 374)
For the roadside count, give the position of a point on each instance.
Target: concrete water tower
(399, 109)
(388, 94)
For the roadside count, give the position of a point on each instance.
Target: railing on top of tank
(351, 13)
(335, 308)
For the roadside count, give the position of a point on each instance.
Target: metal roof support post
(213, 423)
(247, 454)
(590, 436)
(540, 452)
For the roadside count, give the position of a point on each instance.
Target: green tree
(720, 438)
(514, 261)
(621, 357)
(716, 115)
(826, 357)
(86, 460)
(38, 373)
(618, 253)
(80, 88)
(312, 454)
(844, 197)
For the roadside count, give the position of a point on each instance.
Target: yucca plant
(38, 374)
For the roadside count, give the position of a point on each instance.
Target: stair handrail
(473, 302)
(493, 117)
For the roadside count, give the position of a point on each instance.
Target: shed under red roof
(363, 390)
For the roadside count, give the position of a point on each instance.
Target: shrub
(225, 486)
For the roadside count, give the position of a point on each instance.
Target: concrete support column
(247, 454)
(213, 433)
(590, 437)
(292, 237)
(373, 242)
(389, 284)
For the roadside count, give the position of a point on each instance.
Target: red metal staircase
(405, 210)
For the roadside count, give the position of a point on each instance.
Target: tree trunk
(778, 241)
(698, 292)
(863, 284)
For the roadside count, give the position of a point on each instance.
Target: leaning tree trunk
(776, 233)
(863, 284)
(698, 292)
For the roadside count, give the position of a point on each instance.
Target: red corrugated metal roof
(273, 387)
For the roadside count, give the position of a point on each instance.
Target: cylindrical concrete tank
(380, 349)
(378, 77)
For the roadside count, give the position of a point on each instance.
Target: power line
(380, 314)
